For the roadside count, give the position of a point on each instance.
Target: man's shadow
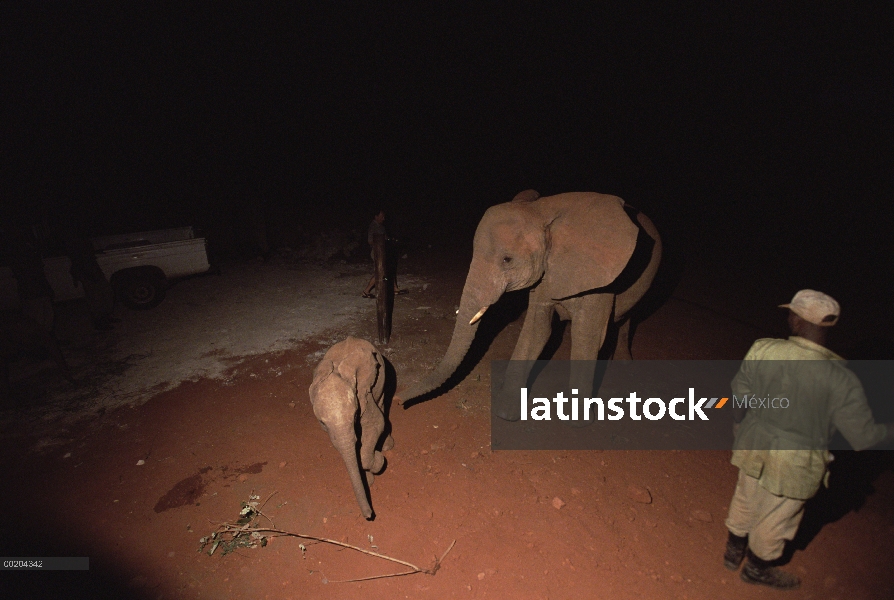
(852, 474)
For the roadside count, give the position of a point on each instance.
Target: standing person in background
(35, 293)
(782, 454)
(377, 227)
(98, 291)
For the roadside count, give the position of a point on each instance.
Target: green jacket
(786, 448)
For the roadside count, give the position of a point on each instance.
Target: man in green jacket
(781, 443)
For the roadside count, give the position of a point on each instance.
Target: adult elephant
(587, 257)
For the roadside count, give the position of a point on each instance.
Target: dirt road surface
(183, 413)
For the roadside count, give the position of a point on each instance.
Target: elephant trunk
(475, 300)
(347, 447)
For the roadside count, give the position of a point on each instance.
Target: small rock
(575, 492)
(67, 455)
(291, 405)
(141, 462)
(480, 576)
(243, 477)
(702, 515)
(474, 455)
(557, 503)
(423, 452)
(639, 494)
(282, 464)
(677, 578)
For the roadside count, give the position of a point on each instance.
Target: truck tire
(141, 289)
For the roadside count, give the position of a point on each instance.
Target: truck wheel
(142, 291)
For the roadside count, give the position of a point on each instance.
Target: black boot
(735, 551)
(761, 572)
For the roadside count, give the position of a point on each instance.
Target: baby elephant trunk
(348, 453)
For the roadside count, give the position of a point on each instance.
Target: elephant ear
(526, 196)
(591, 239)
(359, 367)
(323, 370)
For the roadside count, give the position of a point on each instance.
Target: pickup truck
(139, 266)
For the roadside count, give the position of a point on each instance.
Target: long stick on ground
(236, 529)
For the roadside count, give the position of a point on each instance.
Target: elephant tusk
(478, 315)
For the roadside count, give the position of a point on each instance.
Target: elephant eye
(507, 260)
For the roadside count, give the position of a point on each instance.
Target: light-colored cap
(815, 307)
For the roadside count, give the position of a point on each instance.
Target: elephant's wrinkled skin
(350, 381)
(574, 251)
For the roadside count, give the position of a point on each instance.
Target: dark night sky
(767, 125)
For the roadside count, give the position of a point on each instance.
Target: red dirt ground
(208, 446)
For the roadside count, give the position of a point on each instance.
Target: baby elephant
(350, 380)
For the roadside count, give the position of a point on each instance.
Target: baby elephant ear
(323, 370)
(526, 196)
(591, 240)
(360, 365)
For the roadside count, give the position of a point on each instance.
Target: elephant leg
(378, 392)
(372, 424)
(622, 350)
(537, 327)
(533, 337)
(589, 324)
